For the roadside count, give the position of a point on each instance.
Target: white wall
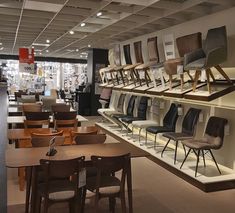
(202, 24)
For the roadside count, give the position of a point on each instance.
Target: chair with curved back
(65, 119)
(31, 107)
(85, 130)
(187, 132)
(213, 53)
(213, 139)
(36, 119)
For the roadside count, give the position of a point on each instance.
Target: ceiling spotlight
(99, 14)
(48, 41)
(1, 48)
(0, 43)
(77, 50)
(32, 47)
(89, 45)
(71, 32)
(47, 51)
(40, 53)
(83, 24)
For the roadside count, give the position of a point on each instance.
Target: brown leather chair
(105, 183)
(213, 139)
(185, 44)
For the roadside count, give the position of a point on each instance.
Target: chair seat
(177, 136)
(106, 110)
(198, 64)
(112, 112)
(132, 66)
(199, 144)
(130, 119)
(118, 116)
(103, 101)
(171, 65)
(144, 123)
(108, 185)
(146, 65)
(158, 129)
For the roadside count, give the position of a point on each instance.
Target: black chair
(141, 114)
(213, 139)
(65, 119)
(169, 123)
(188, 130)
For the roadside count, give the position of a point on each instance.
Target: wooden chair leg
(191, 77)
(181, 82)
(112, 203)
(197, 74)
(123, 202)
(211, 74)
(21, 178)
(208, 80)
(221, 71)
(170, 81)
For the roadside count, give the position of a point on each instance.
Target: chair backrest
(190, 121)
(121, 102)
(215, 38)
(127, 53)
(131, 105)
(62, 170)
(142, 108)
(71, 115)
(171, 117)
(138, 52)
(28, 99)
(117, 55)
(169, 47)
(37, 116)
(106, 93)
(153, 49)
(90, 139)
(36, 123)
(189, 43)
(215, 131)
(44, 141)
(66, 123)
(38, 134)
(31, 107)
(47, 102)
(60, 107)
(110, 165)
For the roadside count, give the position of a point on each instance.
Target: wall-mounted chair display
(213, 139)
(141, 113)
(187, 132)
(213, 53)
(169, 123)
(185, 44)
(144, 69)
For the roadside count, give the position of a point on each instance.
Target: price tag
(82, 178)
(180, 69)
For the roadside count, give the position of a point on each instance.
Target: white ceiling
(25, 22)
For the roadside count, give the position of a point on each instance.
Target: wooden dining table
(30, 157)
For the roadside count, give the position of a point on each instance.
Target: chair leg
(197, 74)
(203, 155)
(21, 178)
(45, 206)
(221, 71)
(198, 156)
(146, 138)
(208, 80)
(170, 81)
(181, 82)
(112, 203)
(185, 158)
(176, 146)
(191, 78)
(155, 141)
(214, 160)
(140, 134)
(184, 149)
(28, 182)
(83, 199)
(211, 74)
(123, 202)
(165, 147)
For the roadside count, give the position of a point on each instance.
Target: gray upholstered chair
(188, 130)
(213, 139)
(211, 55)
(185, 44)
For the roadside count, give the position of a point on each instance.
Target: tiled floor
(154, 189)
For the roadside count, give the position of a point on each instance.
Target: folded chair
(213, 53)
(213, 139)
(169, 123)
(187, 132)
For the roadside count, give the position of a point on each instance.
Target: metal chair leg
(146, 138)
(203, 155)
(165, 147)
(198, 155)
(184, 149)
(214, 160)
(185, 158)
(176, 146)
(139, 133)
(155, 141)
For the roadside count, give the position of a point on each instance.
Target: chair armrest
(193, 56)
(216, 56)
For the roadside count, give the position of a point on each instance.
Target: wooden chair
(60, 107)
(90, 139)
(86, 130)
(58, 186)
(105, 184)
(34, 123)
(65, 119)
(31, 107)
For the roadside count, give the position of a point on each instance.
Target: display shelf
(208, 179)
(160, 88)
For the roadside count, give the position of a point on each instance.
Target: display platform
(118, 87)
(160, 88)
(208, 179)
(217, 90)
(178, 93)
(130, 87)
(142, 89)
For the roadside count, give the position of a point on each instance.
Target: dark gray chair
(213, 139)
(211, 55)
(188, 130)
(169, 123)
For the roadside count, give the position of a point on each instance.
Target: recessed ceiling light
(0, 43)
(47, 51)
(32, 47)
(99, 14)
(35, 53)
(1, 48)
(89, 45)
(77, 50)
(83, 24)
(48, 41)
(71, 32)
(40, 53)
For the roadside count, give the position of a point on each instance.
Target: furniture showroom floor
(154, 190)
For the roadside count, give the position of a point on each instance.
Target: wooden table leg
(28, 187)
(129, 189)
